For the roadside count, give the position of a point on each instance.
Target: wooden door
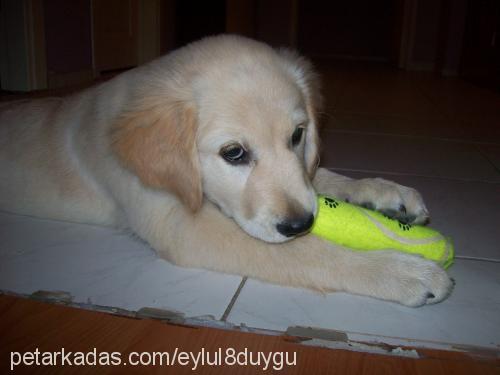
(481, 50)
(115, 26)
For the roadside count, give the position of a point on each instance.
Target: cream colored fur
(142, 151)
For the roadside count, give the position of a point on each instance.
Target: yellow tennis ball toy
(362, 229)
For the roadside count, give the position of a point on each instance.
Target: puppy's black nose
(295, 226)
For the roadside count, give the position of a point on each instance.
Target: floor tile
(104, 267)
(380, 99)
(457, 98)
(406, 155)
(470, 316)
(334, 80)
(464, 210)
(443, 128)
(386, 92)
(492, 153)
(483, 129)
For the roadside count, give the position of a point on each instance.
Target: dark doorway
(195, 19)
(355, 29)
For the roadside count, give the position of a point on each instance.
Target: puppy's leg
(394, 200)
(211, 240)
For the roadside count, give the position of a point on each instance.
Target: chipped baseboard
(310, 336)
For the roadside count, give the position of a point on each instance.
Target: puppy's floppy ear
(311, 152)
(308, 81)
(158, 144)
(310, 85)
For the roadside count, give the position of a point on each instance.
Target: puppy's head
(246, 139)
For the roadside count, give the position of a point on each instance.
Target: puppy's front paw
(410, 280)
(396, 201)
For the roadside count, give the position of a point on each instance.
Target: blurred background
(58, 43)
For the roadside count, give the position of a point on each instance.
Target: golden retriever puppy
(210, 155)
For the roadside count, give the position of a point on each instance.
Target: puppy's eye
(234, 154)
(297, 136)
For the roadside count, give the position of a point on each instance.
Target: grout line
(412, 136)
(438, 108)
(485, 156)
(377, 172)
(344, 111)
(233, 300)
(244, 280)
(479, 259)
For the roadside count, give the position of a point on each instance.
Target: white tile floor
(103, 267)
(385, 123)
(406, 155)
(468, 317)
